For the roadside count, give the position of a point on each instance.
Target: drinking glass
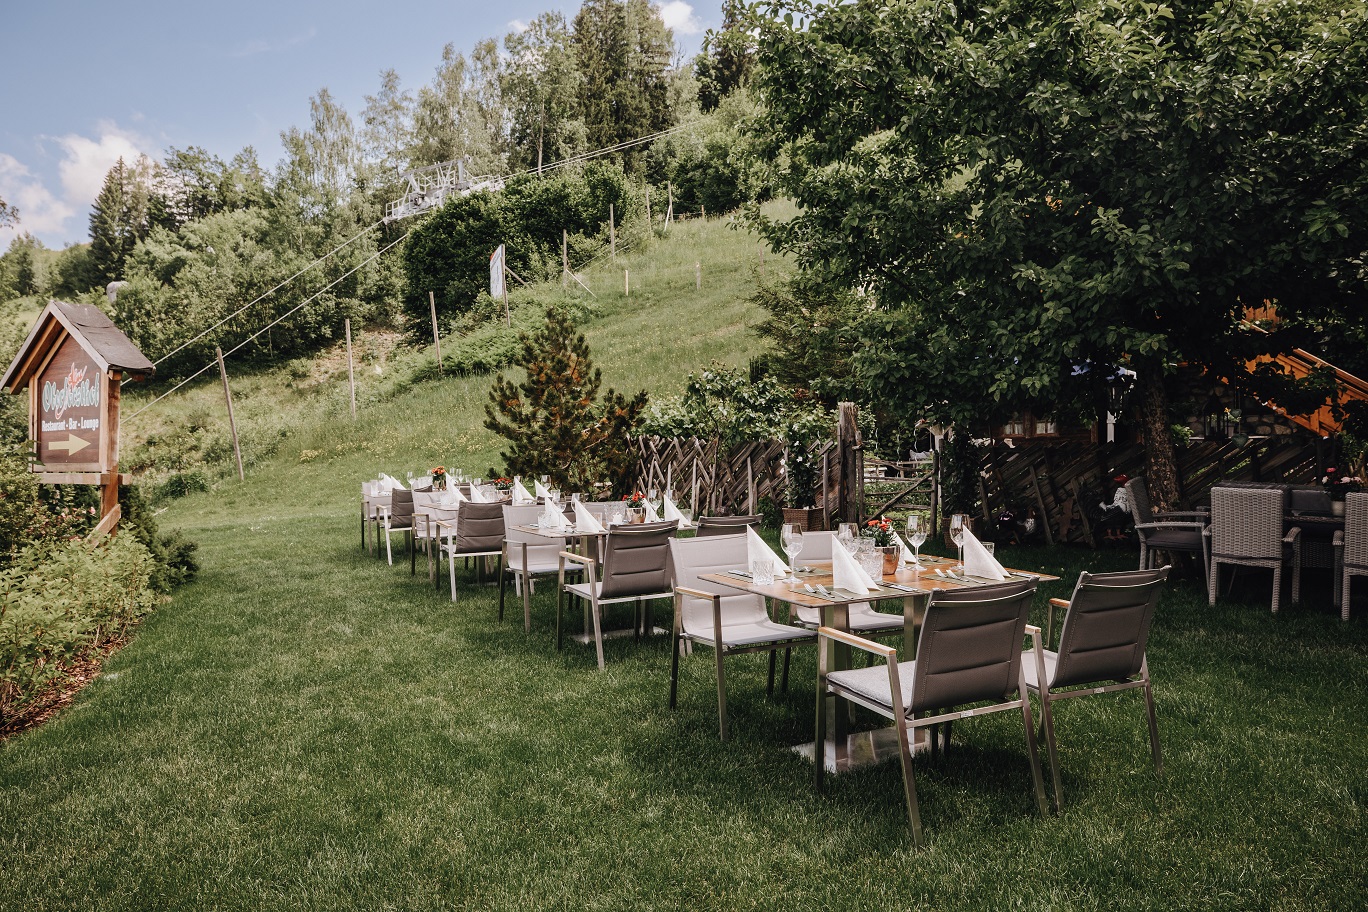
(916, 534)
(410, 479)
(792, 539)
(958, 523)
(687, 513)
(846, 535)
(762, 572)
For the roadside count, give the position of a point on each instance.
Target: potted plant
(801, 471)
(636, 507)
(1338, 484)
(881, 530)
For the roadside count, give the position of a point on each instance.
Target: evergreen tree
(623, 51)
(8, 214)
(121, 217)
(725, 60)
(25, 265)
(552, 421)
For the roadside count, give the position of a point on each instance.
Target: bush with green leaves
(722, 404)
(56, 603)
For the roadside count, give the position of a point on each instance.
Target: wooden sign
(72, 365)
(69, 412)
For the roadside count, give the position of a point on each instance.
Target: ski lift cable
(254, 336)
(266, 294)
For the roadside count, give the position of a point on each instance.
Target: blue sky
(90, 81)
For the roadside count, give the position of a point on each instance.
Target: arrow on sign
(72, 444)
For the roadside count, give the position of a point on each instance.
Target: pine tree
(623, 51)
(120, 217)
(551, 419)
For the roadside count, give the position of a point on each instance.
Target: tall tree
(121, 216)
(541, 83)
(388, 130)
(8, 214)
(1033, 193)
(24, 263)
(725, 60)
(623, 51)
(449, 123)
(325, 157)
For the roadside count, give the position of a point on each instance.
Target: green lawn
(305, 727)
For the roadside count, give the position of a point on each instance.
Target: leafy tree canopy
(1025, 188)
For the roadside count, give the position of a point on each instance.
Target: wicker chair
(1174, 532)
(1247, 531)
(1352, 546)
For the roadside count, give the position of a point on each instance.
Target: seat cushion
(1028, 667)
(582, 590)
(863, 619)
(871, 683)
(740, 635)
(1177, 539)
(537, 563)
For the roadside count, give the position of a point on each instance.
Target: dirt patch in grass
(60, 693)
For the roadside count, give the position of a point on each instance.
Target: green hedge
(56, 603)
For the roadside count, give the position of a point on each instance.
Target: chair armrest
(1338, 540)
(1204, 514)
(1293, 537)
(697, 593)
(1059, 603)
(1170, 525)
(850, 639)
(577, 558)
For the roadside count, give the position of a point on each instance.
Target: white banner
(496, 273)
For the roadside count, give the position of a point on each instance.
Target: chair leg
(1051, 748)
(560, 607)
(1144, 555)
(783, 679)
(1034, 750)
(1213, 581)
(675, 644)
(909, 784)
(1277, 585)
(527, 604)
(1344, 597)
(503, 584)
(597, 612)
(451, 571)
(1296, 578)
(819, 739)
(769, 683)
(721, 692)
(1153, 719)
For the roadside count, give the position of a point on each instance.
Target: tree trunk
(1161, 463)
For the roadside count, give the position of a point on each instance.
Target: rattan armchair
(968, 655)
(1101, 650)
(1247, 531)
(1177, 532)
(1351, 546)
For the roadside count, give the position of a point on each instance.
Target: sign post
(72, 365)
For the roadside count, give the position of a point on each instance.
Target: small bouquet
(1337, 485)
(881, 530)
(636, 500)
(501, 484)
(439, 478)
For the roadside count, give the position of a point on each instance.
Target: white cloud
(51, 215)
(268, 46)
(679, 16)
(517, 25)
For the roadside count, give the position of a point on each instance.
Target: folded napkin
(391, 484)
(541, 490)
(585, 521)
(756, 549)
(552, 519)
(672, 512)
(846, 573)
(476, 495)
(651, 514)
(453, 495)
(521, 495)
(907, 554)
(978, 562)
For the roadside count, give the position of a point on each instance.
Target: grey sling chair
(478, 532)
(969, 652)
(1101, 650)
(526, 555)
(399, 518)
(635, 569)
(725, 619)
(1174, 532)
(726, 525)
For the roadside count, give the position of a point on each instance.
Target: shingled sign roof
(95, 332)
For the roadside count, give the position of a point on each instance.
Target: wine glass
(792, 539)
(653, 498)
(916, 534)
(958, 524)
(846, 535)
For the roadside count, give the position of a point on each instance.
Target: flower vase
(636, 515)
(891, 553)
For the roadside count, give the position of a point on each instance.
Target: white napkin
(756, 549)
(391, 484)
(476, 495)
(552, 519)
(907, 554)
(847, 574)
(585, 521)
(651, 514)
(542, 490)
(521, 495)
(672, 512)
(978, 562)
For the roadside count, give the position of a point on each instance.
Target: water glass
(990, 547)
(871, 562)
(762, 572)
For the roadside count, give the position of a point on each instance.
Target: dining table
(912, 585)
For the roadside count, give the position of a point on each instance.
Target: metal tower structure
(429, 187)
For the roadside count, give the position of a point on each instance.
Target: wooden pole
(698, 276)
(109, 490)
(703, 211)
(669, 212)
(826, 487)
(648, 206)
(436, 339)
(565, 258)
(847, 441)
(626, 283)
(232, 421)
(508, 316)
(612, 233)
(694, 502)
(351, 369)
(762, 258)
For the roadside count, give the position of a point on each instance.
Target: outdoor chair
(1101, 650)
(477, 532)
(726, 525)
(635, 569)
(399, 518)
(429, 512)
(378, 509)
(526, 555)
(720, 617)
(369, 490)
(1352, 546)
(864, 619)
(1247, 531)
(969, 653)
(1175, 532)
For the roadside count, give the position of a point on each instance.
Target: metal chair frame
(450, 548)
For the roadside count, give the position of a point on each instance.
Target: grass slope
(305, 727)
